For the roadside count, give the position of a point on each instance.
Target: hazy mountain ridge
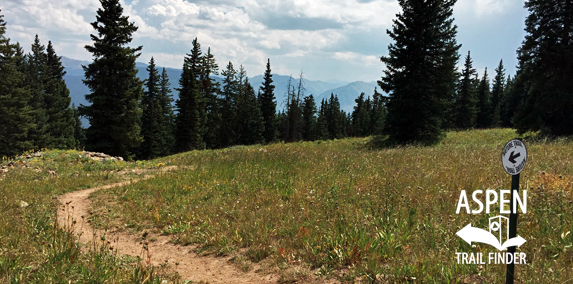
(346, 92)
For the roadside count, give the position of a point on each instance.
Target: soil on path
(75, 207)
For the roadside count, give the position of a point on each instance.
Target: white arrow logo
(472, 234)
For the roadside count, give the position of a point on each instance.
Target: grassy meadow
(342, 209)
(33, 249)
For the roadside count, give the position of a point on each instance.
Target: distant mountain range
(346, 92)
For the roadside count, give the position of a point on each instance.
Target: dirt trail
(75, 207)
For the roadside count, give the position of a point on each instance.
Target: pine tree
(60, 116)
(79, 131)
(268, 105)
(497, 91)
(309, 119)
(335, 118)
(115, 90)
(36, 73)
(545, 69)
(421, 70)
(322, 122)
(188, 134)
(378, 113)
(466, 101)
(227, 132)
(483, 117)
(167, 115)
(210, 92)
(512, 100)
(360, 122)
(250, 124)
(151, 117)
(294, 110)
(16, 117)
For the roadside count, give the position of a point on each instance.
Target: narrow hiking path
(75, 206)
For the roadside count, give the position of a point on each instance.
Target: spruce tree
(16, 117)
(545, 69)
(227, 132)
(250, 124)
(115, 90)
(309, 119)
(421, 70)
(335, 118)
(361, 117)
(268, 105)
(378, 113)
(61, 120)
(466, 100)
(322, 122)
(210, 92)
(497, 92)
(483, 117)
(79, 131)
(151, 117)
(188, 134)
(36, 73)
(167, 115)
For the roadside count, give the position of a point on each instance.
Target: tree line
(428, 95)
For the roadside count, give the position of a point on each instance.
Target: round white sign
(514, 156)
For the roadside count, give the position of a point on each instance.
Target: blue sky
(327, 40)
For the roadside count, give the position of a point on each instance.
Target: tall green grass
(386, 214)
(33, 249)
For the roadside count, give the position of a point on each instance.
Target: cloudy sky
(327, 40)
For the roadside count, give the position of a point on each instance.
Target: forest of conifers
(424, 93)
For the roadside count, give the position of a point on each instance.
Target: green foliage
(152, 120)
(188, 119)
(421, 70)
(378, 113)
(361, 123)
(17, 115)
(466, 98)
(293, 112)
(497, 95)
(309, 119)
(210, 91)
(268, 105)
(36, 77)
(545, 69)
(483, 117)
(60, 116)
(250, 125)
(228, 105)
(115, 90)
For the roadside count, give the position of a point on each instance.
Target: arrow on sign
(472, 234)
(512, 157)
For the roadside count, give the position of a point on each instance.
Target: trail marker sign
(514, 156)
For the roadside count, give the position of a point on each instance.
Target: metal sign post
(513, 158)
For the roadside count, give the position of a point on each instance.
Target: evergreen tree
(466, 101)
(497, 92)
(227, 132)
(210, 92)
(167, 115)
(250, 124)
(188, 134)
(197, 62)
(322, 122)
(421, 70)
(483, 117)
(545, 69)
(360, 122)
(16, 117)
(378, 113)
(36, 73)
(512, 100)
(335, 118)
(294, 110)
(268, 105)
(115, 90)
(60, 116)
(79, 131)
(151, 118)
(309, 119)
